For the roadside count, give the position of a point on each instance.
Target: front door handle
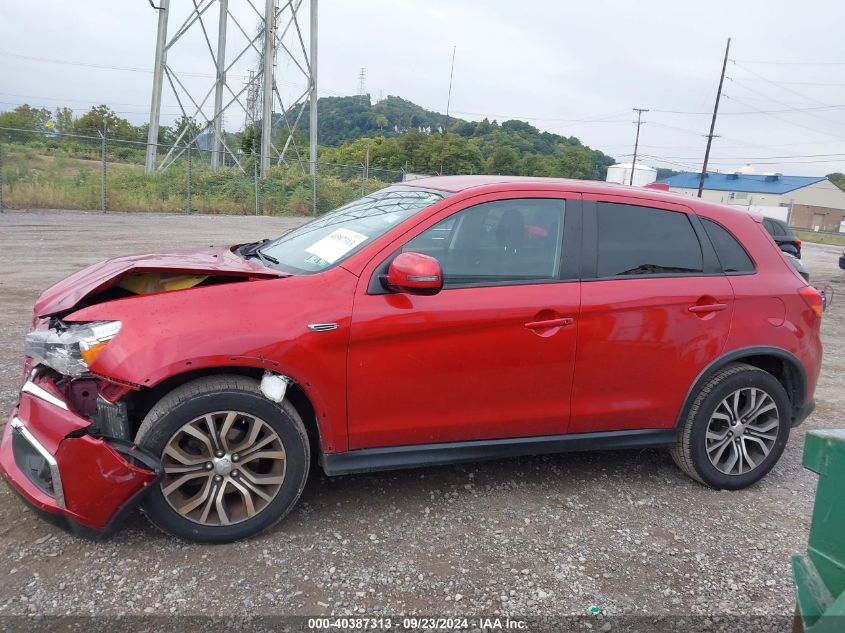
(541, 325)
(707, 307)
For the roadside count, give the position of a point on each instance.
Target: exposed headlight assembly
(71, 350)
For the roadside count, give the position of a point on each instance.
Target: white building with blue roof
(760, 190)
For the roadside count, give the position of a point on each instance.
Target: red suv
(443, 320)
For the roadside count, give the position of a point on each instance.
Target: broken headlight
(72, 349)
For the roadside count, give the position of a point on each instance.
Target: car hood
(212, 261)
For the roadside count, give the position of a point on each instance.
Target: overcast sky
(575, 68)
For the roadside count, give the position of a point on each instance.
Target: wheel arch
(776, 361)
(140, 402)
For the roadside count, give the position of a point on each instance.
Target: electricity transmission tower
(280, 34)
(362, 84)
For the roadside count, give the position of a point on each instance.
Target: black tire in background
(224, 394)
(691, 451)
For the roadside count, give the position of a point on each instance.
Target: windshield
(330, 239)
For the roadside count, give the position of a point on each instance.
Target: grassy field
(34, 178)
(821, 238)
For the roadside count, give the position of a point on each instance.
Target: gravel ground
(545, 536)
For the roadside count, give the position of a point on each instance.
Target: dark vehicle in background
(783, 236)
(799, 266)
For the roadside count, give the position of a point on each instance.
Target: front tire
(234, 462)
(736, 429)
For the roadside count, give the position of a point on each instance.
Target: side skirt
(415, 456)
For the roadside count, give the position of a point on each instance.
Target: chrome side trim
(322, 327)
(19, 427)
(31, 388)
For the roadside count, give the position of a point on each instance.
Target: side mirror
(414, 273)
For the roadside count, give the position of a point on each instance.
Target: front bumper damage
(81, 482)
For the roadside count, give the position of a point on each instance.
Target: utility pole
(448, 103)
(189, 201)
(713, 122)
(269, 61)
(217, 155)
(158, 76)
(1, 179)
(639, 112)
(312, 112)
(103, 181)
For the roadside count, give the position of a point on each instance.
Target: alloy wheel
(223, 468)
(742, 431)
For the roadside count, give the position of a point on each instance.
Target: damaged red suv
(443, 320)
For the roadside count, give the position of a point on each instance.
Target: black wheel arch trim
(796, 391)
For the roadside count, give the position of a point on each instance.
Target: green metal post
(819, 575)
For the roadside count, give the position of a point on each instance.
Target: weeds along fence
(47, 170)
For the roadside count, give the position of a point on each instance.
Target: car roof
(455, 184)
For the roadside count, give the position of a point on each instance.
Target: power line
(755, 158)
(787, 121)
(65, 62)
(610, 118)
(790, 90)
(754, 112)
(772, 63)
(799, 83)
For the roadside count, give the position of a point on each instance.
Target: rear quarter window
(732, 256)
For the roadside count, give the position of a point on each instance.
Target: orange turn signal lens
(90, 354)
(813, 299)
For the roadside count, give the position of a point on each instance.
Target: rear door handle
(708, 307)
(541, 325)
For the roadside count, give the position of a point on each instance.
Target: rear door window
(636, 240)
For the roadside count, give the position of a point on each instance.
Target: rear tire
(235, 462)
(736, 429)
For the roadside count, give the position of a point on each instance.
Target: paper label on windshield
(335, 245)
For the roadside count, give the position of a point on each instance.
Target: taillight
(813, 299)
(797, 241)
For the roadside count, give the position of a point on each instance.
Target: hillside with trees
(403, 135)
(837, 179)
(398, 133)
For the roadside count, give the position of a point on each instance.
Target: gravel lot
(549, 535)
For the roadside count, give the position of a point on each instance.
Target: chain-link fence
(50, 170)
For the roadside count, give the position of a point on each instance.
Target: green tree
(93, 122)
(504, 160)
(189, 127)
(380, 121)
(456, 155)
(164, 133)
(575, 163)
(251, 139)
(24, 118)
(64, 120)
